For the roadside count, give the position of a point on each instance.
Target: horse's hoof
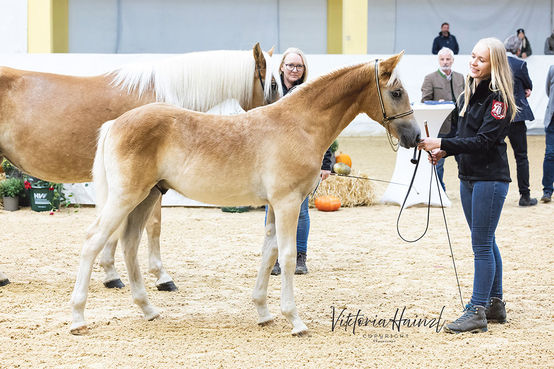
(266, 321)
(167, 286)
(152, 316)
(4, 282)
(301, 331)
(115, 283)
(80, 330)
(305, 333)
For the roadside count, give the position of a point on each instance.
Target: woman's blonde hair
(294, 50)
(501, 77)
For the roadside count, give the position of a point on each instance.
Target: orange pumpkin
(344, 158)
(327, 203)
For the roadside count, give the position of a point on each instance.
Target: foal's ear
(259, 56)
(270, 51)
(387, 66)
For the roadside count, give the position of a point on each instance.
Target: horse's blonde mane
(196, 81)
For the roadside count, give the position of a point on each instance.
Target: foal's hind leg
(269, 255)
(107, 259)
(103, 228)
(164, 282)
(129, 241)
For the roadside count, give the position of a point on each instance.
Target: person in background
(487, 107)
(548, 163)
(517, 132)
(445, 39)
(549, 45)
(525, 48)
(294, 71)
(444, 85)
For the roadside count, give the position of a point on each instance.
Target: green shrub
(11, 187)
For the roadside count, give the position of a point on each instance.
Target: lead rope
(433, 173)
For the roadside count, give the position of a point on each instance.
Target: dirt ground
(357, 263)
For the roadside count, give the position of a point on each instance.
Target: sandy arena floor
(357, 262)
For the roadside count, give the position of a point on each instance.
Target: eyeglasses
(298, 67)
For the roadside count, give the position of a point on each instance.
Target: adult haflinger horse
(49, 123)
(232, 160)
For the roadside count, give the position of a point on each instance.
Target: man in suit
(518, 130)
(444, 85)
(548, 163)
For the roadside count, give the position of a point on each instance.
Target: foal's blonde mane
(194, 80)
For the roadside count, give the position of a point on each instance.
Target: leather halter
(262, 84)
(387, 119)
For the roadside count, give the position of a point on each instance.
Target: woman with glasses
(294, 71)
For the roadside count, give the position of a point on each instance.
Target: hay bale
(350, 191)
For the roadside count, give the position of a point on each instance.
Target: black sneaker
(496, 311)
(472, 320)
(276, 269)
(547, 197)
(526, 200)
(301, 267)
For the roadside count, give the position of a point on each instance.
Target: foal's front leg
(269, 256)
(287, 222)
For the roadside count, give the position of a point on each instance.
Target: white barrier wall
(412, 69)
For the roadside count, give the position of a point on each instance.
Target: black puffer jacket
(479, 141)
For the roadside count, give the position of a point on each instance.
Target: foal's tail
(99, 169)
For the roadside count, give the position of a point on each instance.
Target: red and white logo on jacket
(498, 110)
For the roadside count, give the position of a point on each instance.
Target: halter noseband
(387, 119)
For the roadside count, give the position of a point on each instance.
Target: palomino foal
(69, 110)
(233, 160)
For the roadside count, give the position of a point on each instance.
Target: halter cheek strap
(387, 119)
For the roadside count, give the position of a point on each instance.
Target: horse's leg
(164, 282)
(269, 255)
(130, 240)
(112, 279)
(3, 279)
(98, 235)
(286, 221)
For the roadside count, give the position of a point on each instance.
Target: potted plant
(10, 188)
(45, 196)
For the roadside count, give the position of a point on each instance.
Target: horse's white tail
(99, 169)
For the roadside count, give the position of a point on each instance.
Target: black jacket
(479, 141)
(522, 82)
(450, 42)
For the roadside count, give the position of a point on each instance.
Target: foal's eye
(396, 94)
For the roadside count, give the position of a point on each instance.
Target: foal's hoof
(4, 282)
(301, 331)
(79, 330)
(263, 322)
(116, 283)
(167, 286)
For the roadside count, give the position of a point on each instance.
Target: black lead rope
(433, 173)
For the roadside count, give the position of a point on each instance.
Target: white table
(404, 169)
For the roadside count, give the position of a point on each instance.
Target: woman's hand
(325, 174)
(429, 144)
(436, 155)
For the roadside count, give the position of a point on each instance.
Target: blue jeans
(548, 164)
(440, 172)
(303, 229)
(482, 202)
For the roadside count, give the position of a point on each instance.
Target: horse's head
(391, 107)
(266, 89)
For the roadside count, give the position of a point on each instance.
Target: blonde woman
(487, 108)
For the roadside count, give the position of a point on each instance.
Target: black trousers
(517, 134)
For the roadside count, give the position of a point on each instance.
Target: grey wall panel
(174, 26)
(381, 26)
(303, 24)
